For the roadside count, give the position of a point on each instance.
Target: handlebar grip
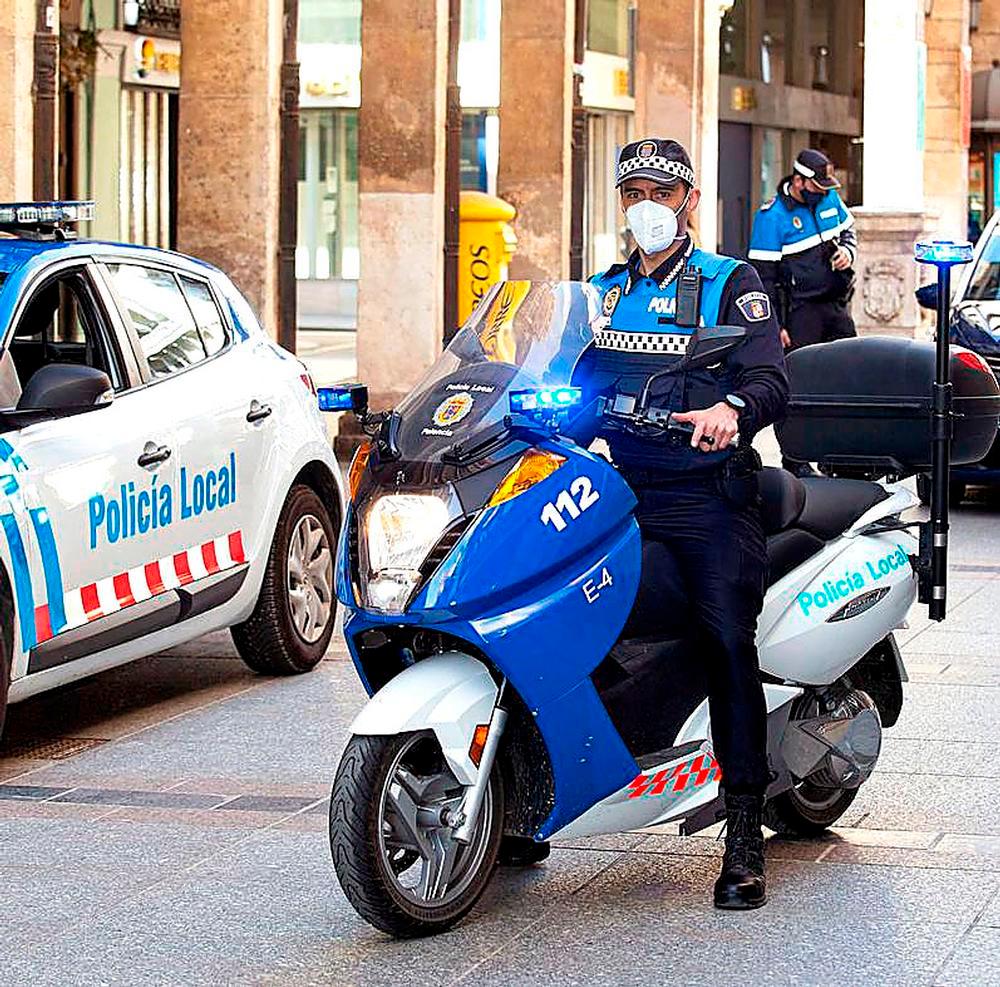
(686, 428)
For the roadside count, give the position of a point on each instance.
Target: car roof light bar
(45, 220)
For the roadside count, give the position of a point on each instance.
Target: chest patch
(755, 306)
(797, 222)
(611, 298)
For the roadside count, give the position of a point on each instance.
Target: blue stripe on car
(22, 580)
(50, 567)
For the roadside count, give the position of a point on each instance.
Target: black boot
(741, 883)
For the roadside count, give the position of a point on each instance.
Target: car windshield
(522, 334)
(984, 284)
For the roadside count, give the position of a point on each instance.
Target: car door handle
(153, 455)
(258, 412)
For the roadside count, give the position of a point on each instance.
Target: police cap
(663, 161)
(816, 165)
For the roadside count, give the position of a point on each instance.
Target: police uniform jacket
(640, 335)
(791, 246)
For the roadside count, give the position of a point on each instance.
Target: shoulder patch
(797, 222)
(755, 306)
(611, 299)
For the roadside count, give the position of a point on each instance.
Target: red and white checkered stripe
(115, 593)
(683, 777)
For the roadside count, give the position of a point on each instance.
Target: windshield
(984, 284)
(522, 334)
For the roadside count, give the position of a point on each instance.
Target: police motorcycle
(529, 660)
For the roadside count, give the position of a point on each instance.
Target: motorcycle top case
(868, 401)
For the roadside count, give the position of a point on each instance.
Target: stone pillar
(948, 117)
(228, 145)
(401, 188)
(677, 90)
(17, 31)
(536, 114)
(892, 217)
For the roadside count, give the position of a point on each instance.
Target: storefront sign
(152, 62)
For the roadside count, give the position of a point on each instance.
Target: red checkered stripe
(684, 777)
(108, 596)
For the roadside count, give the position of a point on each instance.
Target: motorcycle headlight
(400, 531)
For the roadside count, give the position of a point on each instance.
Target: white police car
(164, 470)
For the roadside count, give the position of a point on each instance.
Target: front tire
(391, 848)
(291, 625)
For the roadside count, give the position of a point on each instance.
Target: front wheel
(291, 625)
(392, 808)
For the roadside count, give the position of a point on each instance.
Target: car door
(221, 405)
(92, 509)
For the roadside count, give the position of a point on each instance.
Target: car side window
(206, 314)
(61, 323)
(162, 319)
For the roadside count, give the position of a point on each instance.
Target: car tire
(924, 488)
(272, 641)
(5, 662)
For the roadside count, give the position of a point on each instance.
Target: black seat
(832, 505)
(782, 497)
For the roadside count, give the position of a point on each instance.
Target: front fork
(472, 804)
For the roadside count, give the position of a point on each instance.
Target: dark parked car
(975, 324)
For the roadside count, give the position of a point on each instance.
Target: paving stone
(975, 961)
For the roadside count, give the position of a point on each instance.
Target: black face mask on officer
(812, 199)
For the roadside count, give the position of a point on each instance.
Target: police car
(164, 470)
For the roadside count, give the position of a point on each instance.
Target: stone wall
(17, 26)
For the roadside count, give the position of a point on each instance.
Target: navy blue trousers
(721, 552)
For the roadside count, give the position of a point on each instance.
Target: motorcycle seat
(782, 497)
(833, 505)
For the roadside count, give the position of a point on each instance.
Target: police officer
(804, 247)
(700, 500)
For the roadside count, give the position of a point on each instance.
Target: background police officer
(804, 247)
(700, 500)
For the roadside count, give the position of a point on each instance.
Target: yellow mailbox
(486, 243)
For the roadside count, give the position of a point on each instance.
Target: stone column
(948, 117)
(228, 145)
(17, 30)
(536, 114)
(892, 217)
(677, 90)
(401, 188)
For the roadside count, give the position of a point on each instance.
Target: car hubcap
(310, 579)
(418, 807)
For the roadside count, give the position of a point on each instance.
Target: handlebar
(657, 421)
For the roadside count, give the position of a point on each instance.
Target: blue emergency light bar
(350, 397)
(544, 399)
(33, 214)
(943, 252)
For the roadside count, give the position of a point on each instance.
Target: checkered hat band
(656, 163)
(641, 342)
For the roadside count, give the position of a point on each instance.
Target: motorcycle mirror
(927, 296)
(708, 345)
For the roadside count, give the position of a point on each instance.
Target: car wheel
(291, 625)
(5, 660)
(924, 488)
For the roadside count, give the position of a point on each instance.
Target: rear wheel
(806, 809)
(290, 628)
(393, 802)
(5, 660)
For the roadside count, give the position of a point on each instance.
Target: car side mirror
(62, 389)
(709, 344)
(927, 296)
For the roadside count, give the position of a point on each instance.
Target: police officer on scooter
(700, 499)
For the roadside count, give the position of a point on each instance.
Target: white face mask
(653, 224)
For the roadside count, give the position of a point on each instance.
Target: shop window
(475, 19)
(733, 41)
(328, 196)
(330, 22)
(607, 26)
(473, 153)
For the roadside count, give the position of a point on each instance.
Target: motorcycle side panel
(450, 694)
(823, 616)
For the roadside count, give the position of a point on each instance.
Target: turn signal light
(358, 465)
(479, 743)
(533, 467)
